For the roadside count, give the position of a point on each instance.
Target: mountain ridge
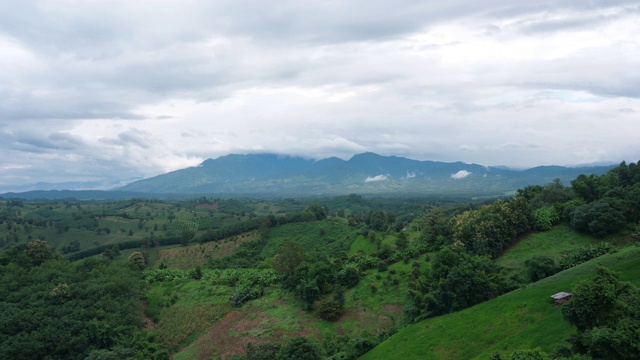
(366, 173)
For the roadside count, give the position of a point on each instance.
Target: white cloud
(149, 88)
(460, 174)
(377, 178)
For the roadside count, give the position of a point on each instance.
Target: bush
(545, 217)
(330, 310)
(540, 267)
(262, 352)
(598, 218)
(349, 276)
(300, 348)
(579, 256)
(137, 260)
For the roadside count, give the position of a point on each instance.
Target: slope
(521, 319)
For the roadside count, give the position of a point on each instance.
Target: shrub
(598, 218)
(330, 310)
(545, 217)
(579, 256)
(540, 267)
(300, 348)
(262, 352)
(137, 260)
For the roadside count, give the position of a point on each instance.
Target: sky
(107, 92)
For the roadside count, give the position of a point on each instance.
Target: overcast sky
(110, 91)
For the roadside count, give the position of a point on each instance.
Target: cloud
(460, 174)
(411, 174)
(117, 90)
(377, 178)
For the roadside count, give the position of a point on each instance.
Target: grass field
(329, 237)
(550, 243)
(521, 319)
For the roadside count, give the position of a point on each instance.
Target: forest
(326, 278)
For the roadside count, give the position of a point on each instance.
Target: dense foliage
(53, 309)
(606, 313)
(455, 281)
(325, 260)
(608, 202)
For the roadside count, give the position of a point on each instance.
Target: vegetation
(325, 278)
(519, 320)
(55, 309)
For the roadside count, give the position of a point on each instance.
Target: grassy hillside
(521, 319)
(550, 243)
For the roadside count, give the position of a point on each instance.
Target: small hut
(561, 298)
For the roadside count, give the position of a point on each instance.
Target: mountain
(367, 173)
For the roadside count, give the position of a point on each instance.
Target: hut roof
(561, 295)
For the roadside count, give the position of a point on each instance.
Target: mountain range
(367, 173)
(277, 176)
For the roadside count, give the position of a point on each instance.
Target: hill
(368, 173)
(522, 319)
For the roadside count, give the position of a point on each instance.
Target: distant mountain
(75, 195)
(75, 185)
(368, 173)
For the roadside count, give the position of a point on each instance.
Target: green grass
(550, 243)
(521, 319)
(329, 237)
(362, 244)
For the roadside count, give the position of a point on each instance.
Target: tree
(112, 253)
(377, 220)
(308, 291)
(349, 276)
(288, 258)
(319, 212)
(545, 217)
(606, 313)
(39, 251)
(593, 300)
(197, 273)
(490, 229)
(137, 260)
(455, 281)
(88, 309)
(338, 294)
(186, 237)
(540, 267)
(330, 310)
(300, 348)
(435, 225)
(598, 218)
(402, 241)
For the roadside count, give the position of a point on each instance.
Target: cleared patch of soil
(230, 335)
(369, 320)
